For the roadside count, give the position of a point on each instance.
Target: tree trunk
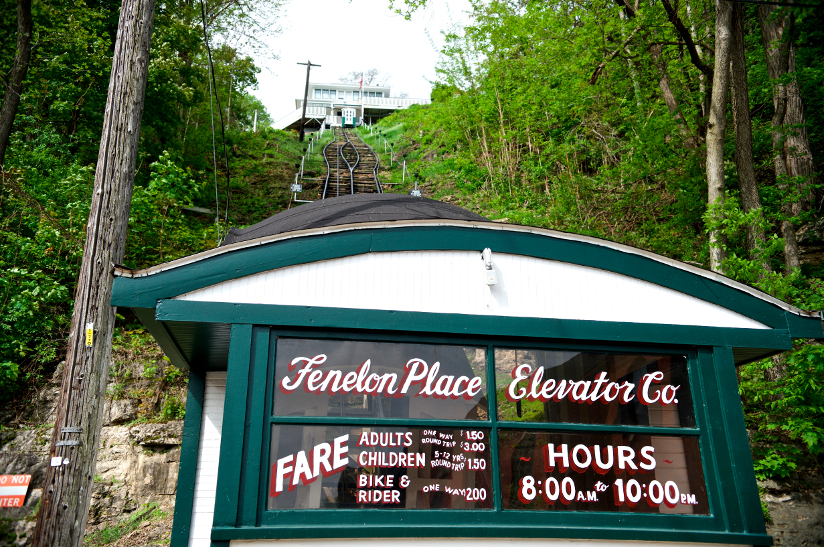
(716, 127)
(14, 87)
(656, 51)
(777, 49)
(67, 491)
(750, 200)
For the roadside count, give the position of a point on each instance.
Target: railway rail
(351, 166)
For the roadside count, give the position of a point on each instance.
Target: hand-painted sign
(601, 472)
(381, 380)
(363, 467)
(593, 388)
(13, 490)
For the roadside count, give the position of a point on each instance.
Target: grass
(110, 534)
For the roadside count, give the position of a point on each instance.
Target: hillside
(592, 119)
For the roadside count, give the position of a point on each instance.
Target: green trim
(475, 325)
(146, 291)
(444, 524)
(736, 435)
(253, 428)
(464, 424)
(802, 327)
(388, 422)
(227, 493)
(161, 334)
(492, 401)
(187, 470)
(712, 397)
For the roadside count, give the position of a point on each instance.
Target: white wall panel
(452, 282)
(208, 453)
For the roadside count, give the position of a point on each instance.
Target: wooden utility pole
(61, 519)
(309, 65)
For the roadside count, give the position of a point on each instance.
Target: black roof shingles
(352, 209)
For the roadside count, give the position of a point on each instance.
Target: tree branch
(672, 15)
(613, 55)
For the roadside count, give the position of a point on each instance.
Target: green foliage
(151, 371)
(173, 409)
(785, 413)
(110, 534)
(49, 168)
(159, 229)
(539, 117)
(171, 373)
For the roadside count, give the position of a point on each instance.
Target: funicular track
(351, 166)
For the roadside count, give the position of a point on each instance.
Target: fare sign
(383, 468)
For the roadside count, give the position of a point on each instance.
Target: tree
(716, 128)
(14, 82)
(67, 491)
(792, 154)
(750, 200)
(373, 76)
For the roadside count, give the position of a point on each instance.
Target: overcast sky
(343, 35)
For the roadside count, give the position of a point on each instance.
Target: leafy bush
(111, 534)
(786, 414)
(173, 409)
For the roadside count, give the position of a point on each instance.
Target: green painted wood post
(187, 470)
(232, 436)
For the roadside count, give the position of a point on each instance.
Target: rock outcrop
(139, 453)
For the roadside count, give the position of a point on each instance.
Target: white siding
(208, 453)
(453, 282)
(460, 542)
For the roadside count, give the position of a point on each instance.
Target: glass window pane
(325, 93)
(343, 467)
(356, 95)
(379, 94)
(379, 380)
(317, 94)
(593, 388)
(544, 471)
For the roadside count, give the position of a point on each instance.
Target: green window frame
(244, 460)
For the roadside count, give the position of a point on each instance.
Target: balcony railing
(387, 102)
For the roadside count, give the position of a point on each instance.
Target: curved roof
(364, 225)
(352, 209)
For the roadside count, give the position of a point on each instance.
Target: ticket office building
(361, 369)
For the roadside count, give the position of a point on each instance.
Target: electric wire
(214, 159)
(213, 84)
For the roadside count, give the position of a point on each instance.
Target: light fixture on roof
(415, 193)
(490, 278)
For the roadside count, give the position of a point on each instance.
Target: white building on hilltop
(325, 102)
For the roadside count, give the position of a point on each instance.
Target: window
(317, 93)
(357, 424)
(356, 95)
(341, 95)
(379, 94)
(325, 93)
(348, 95)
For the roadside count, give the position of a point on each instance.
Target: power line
(783, 4)
(213, 84)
